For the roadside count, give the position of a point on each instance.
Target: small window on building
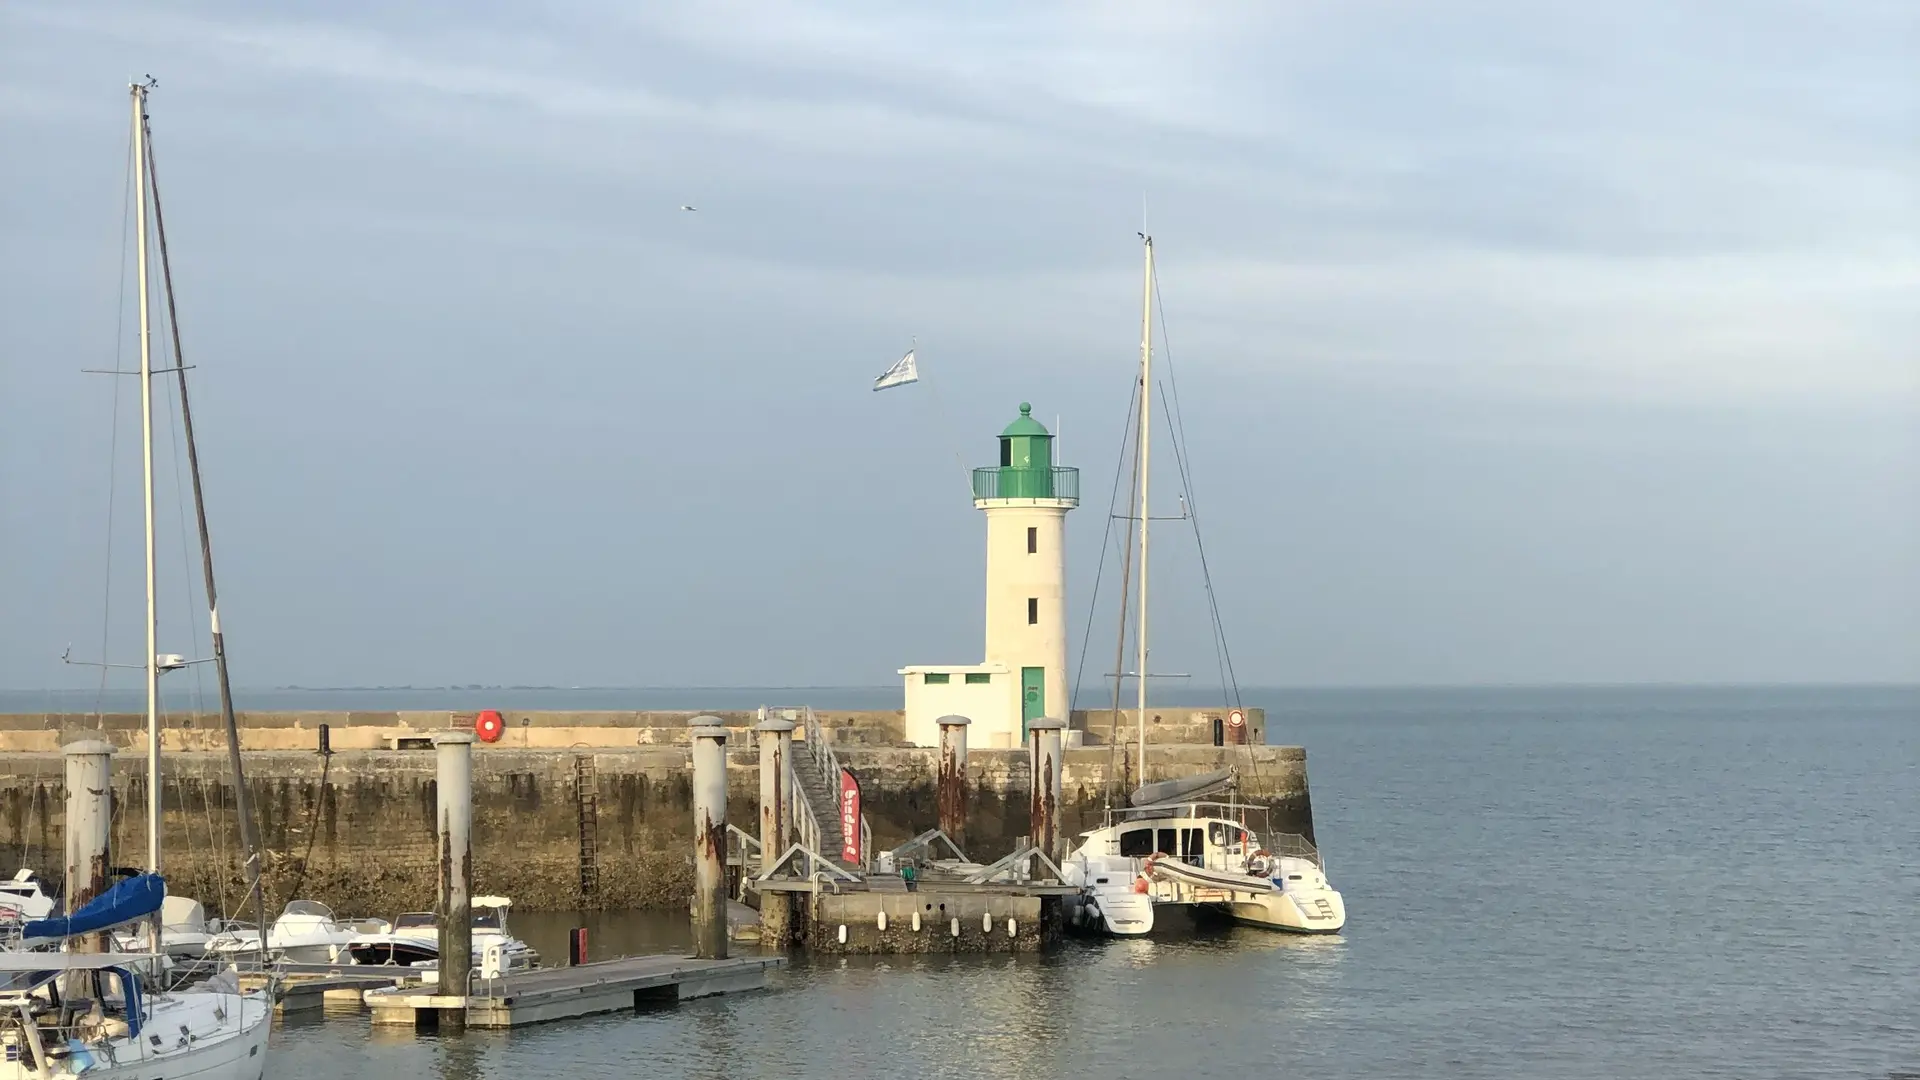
(975, 678)
(1006, 453)
(1033, 610)
(1137, 844)
(1033, 540)
(934, 678)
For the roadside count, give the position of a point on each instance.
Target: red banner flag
(849, 818)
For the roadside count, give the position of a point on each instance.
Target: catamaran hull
(1253, 901)
(1319, 913)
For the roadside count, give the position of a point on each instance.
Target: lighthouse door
(1033, 697)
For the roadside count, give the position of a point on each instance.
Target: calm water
(1541, 884)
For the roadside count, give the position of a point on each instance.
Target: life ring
(1236, 718)
(489, 726)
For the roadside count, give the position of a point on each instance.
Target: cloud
(1624, 201)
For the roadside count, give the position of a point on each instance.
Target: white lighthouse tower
(1024, 674)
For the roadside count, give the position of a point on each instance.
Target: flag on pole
(903, 371)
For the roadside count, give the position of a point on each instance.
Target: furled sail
(1187, 787)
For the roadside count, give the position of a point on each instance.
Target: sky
(1514, 342)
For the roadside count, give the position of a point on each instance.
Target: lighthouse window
(1006, 452)
(1033, 540)
(975, 678)
(934, 678)
(1033, 610)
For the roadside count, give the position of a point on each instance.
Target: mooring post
(455, 789)
(951, 795)
(776, 908)
(89, 829)
(1043, 801)
(709, 838)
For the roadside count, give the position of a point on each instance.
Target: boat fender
(489, 726)
(1140, 884)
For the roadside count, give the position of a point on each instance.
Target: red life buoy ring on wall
(489, 726)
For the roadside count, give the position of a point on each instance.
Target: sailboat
(74, 1013)
(1177, 846)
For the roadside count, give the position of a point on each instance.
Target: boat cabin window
(1190, 846)
(1227, 836)
(487, 918)
(308, 907)
(414, 918)
(1136, 843)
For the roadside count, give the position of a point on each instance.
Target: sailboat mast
(243, 802)
(1146, 514)
(146, 478)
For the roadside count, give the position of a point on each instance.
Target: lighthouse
(1023, 675)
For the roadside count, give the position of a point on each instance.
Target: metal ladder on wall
(586, 799)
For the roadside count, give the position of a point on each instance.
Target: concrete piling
(776, 908)
(952, 790)
(454, 784)
(709, 838)
(1043, 803)
(89, 828)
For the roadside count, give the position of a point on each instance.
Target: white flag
(904, 371)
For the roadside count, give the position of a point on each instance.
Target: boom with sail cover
(1187, 787)
(130, 900)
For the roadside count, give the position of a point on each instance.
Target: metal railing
(820, 751)
(1016, 482)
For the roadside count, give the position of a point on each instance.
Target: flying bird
(689, 208)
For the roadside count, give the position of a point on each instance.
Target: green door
(1033, 697)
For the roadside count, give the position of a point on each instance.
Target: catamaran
(1176, 847)
(98, 1014)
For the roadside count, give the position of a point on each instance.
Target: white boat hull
(229, 1042)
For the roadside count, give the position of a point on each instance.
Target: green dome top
(1026, 425)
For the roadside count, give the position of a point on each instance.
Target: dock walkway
(543, 994)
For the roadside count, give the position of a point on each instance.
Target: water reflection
(460, 1057)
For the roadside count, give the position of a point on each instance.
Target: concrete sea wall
(548, 729)
(355, 829)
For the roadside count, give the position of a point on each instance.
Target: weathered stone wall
(356, 830)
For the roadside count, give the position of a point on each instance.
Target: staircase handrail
(821, 750)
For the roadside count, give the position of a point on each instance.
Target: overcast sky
(1517, 342)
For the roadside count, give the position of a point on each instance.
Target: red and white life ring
(489, 726)
(1236, 719)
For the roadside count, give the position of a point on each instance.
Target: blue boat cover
(131, 898)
